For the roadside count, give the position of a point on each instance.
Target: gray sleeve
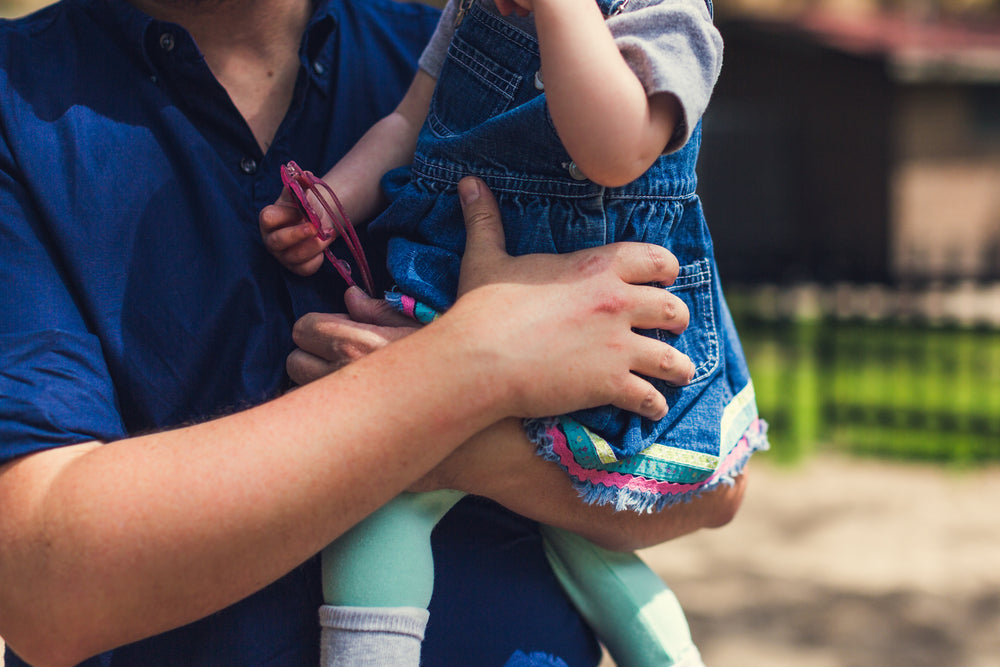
(432, 59)
(673, 47)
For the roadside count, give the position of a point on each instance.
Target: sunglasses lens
(317, 213)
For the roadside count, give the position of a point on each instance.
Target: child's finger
(306, 268)
(277, 215)
(304, 251)
(281, 239)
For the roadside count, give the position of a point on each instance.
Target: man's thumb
(483, 228)
(365, 309)
(484, 238)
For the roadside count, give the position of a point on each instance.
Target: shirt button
(248, 166)
(319, 68)
(575, 172)
(167, 41)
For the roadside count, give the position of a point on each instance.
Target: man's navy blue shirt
(137, 295)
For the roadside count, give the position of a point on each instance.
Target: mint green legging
(386, 561)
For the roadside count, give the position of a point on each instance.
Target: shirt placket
(182, 71)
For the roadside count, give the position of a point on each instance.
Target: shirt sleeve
(434, 54)
(673, 47)
(55, 388)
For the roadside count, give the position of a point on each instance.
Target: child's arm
(609, 126)
(355, 179)
(386, 145)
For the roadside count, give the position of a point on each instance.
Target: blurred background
(850, 172)
(851, 176)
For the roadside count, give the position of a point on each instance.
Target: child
(606, 154)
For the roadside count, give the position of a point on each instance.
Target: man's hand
(558, 330)
(328, 342)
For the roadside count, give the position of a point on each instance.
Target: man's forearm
(500, 463)
(106, 544)
(388, 144)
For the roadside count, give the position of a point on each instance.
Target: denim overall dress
(488, 118)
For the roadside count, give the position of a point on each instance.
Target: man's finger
(303, 368)
(313, 332)
(656, 359)
(484, 241)
(642, 398)
(639, 263)
(334, 340)
(657, 308)
(330, 341)
(363, 308)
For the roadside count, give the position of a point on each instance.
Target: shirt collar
(140, 34)
(317, 51)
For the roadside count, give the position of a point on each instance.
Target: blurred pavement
(846, 562)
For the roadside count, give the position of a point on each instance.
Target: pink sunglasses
(314, 198)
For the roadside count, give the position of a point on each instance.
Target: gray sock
(371, 636)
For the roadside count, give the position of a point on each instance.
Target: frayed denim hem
(633, 492)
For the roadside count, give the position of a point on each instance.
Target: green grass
(905, 390)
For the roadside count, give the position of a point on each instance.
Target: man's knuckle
(346, 352)
(382, 310)
(668, 359)
(663, 262)
(669, 310)
(656, 258)
(650, 400)
(682, 312)
(592, 263)
(610, 302)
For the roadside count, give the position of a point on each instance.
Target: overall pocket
(700, 341)
(472, 88)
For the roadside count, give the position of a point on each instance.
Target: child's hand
(290, 237)
(520, 7)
